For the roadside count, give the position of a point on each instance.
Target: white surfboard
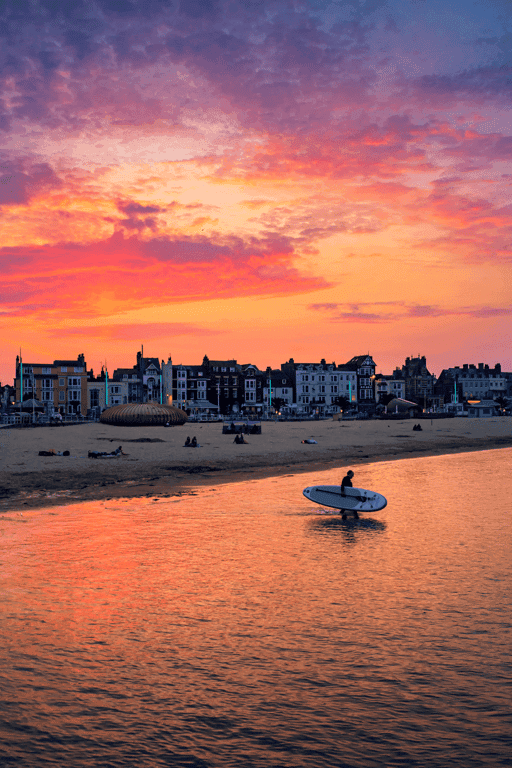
(330, 496)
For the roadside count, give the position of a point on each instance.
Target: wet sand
(157, 464)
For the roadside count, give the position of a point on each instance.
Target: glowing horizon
(258, 182)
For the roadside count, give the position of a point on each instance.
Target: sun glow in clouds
(255, 181)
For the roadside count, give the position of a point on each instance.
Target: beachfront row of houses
(226, 387)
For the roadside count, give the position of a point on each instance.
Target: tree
(277, 403)
(502, 402)
(342, 402)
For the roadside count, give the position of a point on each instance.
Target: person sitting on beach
(194, 443)
(239, 439)
(187, 443)
(310, 441)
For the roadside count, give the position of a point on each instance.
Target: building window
(62, 397)
(95, 398)
(46, 370)
(63, 369)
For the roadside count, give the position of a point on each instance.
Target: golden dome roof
(143, 415)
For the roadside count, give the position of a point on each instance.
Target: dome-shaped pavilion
(143, 415)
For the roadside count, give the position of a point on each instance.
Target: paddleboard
(330, 496)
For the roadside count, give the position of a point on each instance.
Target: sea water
(244, 626)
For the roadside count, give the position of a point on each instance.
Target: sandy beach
(156, 463)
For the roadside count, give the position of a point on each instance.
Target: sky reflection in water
(242, 626)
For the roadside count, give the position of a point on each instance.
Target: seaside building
(224, 385)
(215, 387)
(472, 382)
(61, 386)
(96, 393)
(253, 382)
(321, 388)
(150, 379)
(387, 387)
(190, 390)
(482, 409)
(419, 382)
(364, 366)
(143, 383)
(278, 392)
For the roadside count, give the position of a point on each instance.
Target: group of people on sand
(417, 428)
(239, 440)
(191, 443)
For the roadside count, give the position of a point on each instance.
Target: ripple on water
(243, 627)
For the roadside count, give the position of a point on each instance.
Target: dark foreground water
(241, 627)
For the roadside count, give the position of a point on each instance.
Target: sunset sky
(257, 180)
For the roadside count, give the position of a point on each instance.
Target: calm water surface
(241, 627)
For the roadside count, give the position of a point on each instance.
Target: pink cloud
(136, 272)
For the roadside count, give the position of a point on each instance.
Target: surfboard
(330, 496)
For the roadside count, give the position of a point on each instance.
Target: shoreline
(156, 463)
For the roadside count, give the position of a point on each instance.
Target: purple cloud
(20, 180)
(399, 310)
